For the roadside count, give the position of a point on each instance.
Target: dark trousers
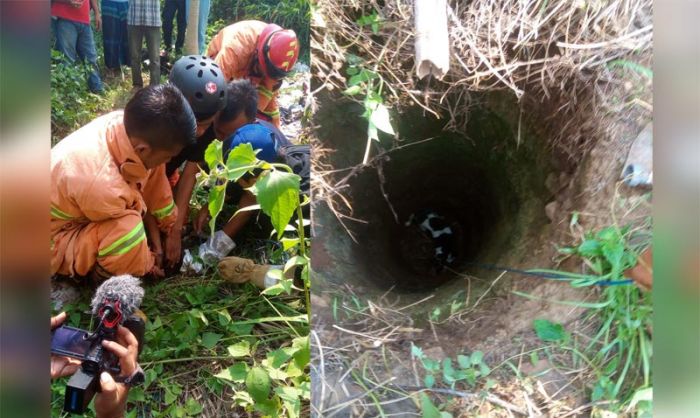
(152, 35)
(171, 8)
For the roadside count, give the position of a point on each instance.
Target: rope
(544, 275)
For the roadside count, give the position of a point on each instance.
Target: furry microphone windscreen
(125, 288)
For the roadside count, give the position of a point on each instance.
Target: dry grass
(552, 54)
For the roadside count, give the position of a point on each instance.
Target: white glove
(217, 247)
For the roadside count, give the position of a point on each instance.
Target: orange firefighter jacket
(233, 49)
(100, 190)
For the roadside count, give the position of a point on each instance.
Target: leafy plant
(620, 351)
(465, 368)
(277, 192)
(369, 84)
(373, 21)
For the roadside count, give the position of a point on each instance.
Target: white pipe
(432, 39)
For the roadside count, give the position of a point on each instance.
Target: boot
(241, 270)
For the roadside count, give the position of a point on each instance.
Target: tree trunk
(192, 33)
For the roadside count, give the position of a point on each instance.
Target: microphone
(117, 299)
(115, 303)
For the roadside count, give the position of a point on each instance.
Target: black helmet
(202, 82)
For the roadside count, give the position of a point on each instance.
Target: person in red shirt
(70, 23)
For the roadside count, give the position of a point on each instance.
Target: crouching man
(109, 189)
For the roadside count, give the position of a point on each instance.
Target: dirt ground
(375, 341)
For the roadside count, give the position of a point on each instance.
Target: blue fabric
(75, 41)
(203, 21)
(114, 33)
(260, 137)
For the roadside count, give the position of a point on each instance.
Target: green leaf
(448, 373)
(303, 354)
(210, 339)
(589, 248)
(428, 409)
(416, 351)
(353, 90)
(464, 361)
(485, 369)
(429, 380)
(380, 118)
(288, 243)
(236, 373)
(477, 357)
(258, 384)
(240, 349)
(224, 317)
(213, 155)
(278, 195)
(216, 203)
(193, 407)
(239, 161)
(549, 331)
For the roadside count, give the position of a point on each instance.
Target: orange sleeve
(158, 197)
(267, 101)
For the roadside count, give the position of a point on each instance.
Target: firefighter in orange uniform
(263, 53)
(109, 189)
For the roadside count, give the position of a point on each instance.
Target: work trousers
(113, 247)
(152, 35)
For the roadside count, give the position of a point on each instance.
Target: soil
(526, 194)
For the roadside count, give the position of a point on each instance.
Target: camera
(115, 304)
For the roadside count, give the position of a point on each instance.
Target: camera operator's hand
(61, 365)
(111, 402)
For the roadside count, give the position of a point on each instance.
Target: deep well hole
(481, 179)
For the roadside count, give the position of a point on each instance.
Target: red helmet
(278, 50)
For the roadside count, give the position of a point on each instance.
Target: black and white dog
(443, 234)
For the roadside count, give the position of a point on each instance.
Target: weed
(619, 353)
(369, 84)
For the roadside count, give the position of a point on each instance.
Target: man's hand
(111, 402)
(201, 220)
(98, 20)
(61, 365)
(173, 247)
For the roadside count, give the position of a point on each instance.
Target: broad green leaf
(216, 202)
(464, 361)
(448, 373)
(429, 380)
(240, 349)
(288, 243)
(428, 409)
(303, 354)
(380, 118)
(213, 155)
(297, 260)
(224, 317)
(278, 196)
(239, 161)
(258, 384)
(431, 365)
(549, 331)
(477, 357)
(277, 358)
(485, 369)
(210, 339)
(236, 373)
(589, 248)
(192, 407)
